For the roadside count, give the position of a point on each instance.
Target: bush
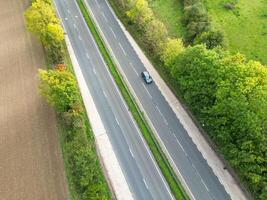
(211, 39)
(170, 50)
(196, 21)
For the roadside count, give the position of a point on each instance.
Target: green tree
(59, 88)
(155, 35)
(170, 50)
(211, 39)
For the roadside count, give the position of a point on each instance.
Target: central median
(171, 178)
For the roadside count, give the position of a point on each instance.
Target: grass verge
(67, 148)
(161, 160)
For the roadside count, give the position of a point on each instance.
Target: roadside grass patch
(170, 12)
(244, 27)
(161, 160)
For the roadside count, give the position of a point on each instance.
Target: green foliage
(155, 35)
(211, 39)
(170, 50)
(42, 21)
(59, 88)
(229, 96)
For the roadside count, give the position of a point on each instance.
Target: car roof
(146, 73)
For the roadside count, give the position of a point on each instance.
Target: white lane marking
(104, 17)
(205, 185)
(131, 152)
(74, 25)
(133, 68)
(201, 179)
(164, 119)
(147, 91)
(94, 70)
(117, 121)
(113, 32)
(66, 18)
(122, 49)
(68, 11)
(145, 183)
(97, 4)
(80, 38)
(179, 144)
(76, 16)
(87, 56)
(105, 94)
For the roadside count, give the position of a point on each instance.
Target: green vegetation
(170, 12)
(149, 137)
(59, 87)
(42, 21)
(228, 94)
(244, 25)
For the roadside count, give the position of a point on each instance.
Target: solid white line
(122, 49)
(112, 32)
(145, 183)
(104, 17)
(147, 91)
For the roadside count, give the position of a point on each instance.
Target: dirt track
(31, 167)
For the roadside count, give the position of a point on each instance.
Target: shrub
(211, 39)
(196, 21)
(170, 50)
(155, 35)
(229, 6)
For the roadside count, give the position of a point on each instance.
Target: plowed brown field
(31, 165)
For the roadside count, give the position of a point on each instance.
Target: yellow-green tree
(170, 50)
(42, 21)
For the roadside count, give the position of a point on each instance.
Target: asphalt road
(198, 176)
(142, 174)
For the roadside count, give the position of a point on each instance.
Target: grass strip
(159, 156)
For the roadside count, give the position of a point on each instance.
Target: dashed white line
(74, 25)
(94, 70)
(122, 49)
(68, 11)
(145, 183)
(87, 56)
(104, 17)
(147, 91)
(113, 32)
(97, 4)
(105, 94)
(133, 68)
(76, 16)
(66, 18)
(80, 38)
(205, 185)
(179, 144)
(131, 153)
(117, 121)
(164, 119)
